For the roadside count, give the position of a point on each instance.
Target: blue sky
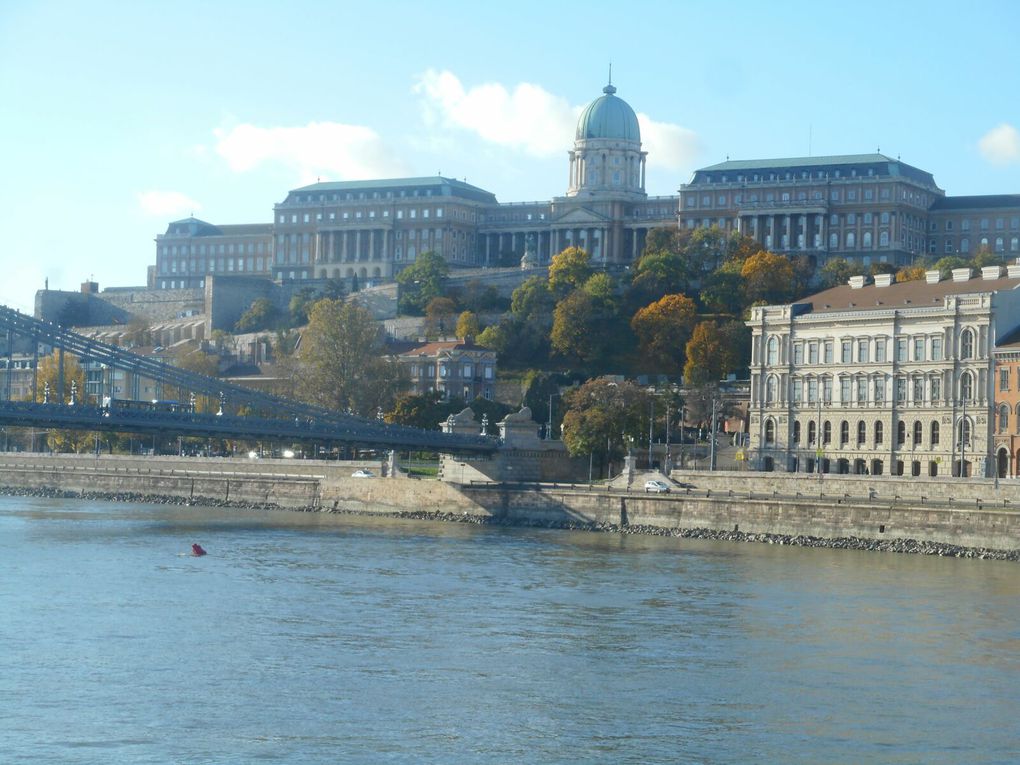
(120, 117)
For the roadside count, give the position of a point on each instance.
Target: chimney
(961, 274)
(883, 280)
(90, 288)
(991, 272)
(932, 277)
(857, 282)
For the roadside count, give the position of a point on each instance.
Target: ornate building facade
(882, 377)
(370, 230)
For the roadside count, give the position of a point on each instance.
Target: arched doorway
(1002, 462)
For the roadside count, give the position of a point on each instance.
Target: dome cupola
(608, 117)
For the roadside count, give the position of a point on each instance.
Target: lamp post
(651, 425)
(549, 431)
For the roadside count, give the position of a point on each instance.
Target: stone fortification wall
(988, 490)
(111, 307)
(730, 507)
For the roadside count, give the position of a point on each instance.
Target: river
(312, 638)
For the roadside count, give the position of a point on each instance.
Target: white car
(362, 474)
(657, 487)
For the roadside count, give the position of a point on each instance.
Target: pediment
(581, 216)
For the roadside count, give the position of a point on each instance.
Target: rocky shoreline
(908, 546)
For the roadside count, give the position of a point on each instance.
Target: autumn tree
(706, 354)
(604, 416)
(767, 277)
(569, 270)
(48, 379)
(658, 273)
(910, 274)
(420, 282)
(837, 272)
(468, 326)
(439, 317)
(662, 329)
(340, 361)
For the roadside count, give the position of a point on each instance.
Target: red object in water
(197, 551)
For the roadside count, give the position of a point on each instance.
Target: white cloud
(528, 118)
(536, 121)
(669, 146)
(318, 149)
(164, 203)
(1001, 145)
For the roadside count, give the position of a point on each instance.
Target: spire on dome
(609, 89)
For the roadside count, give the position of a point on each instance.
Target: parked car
(362, 473)
(657, 487)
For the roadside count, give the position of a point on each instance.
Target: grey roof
(792, 162)
(1009, 342)
(913, 294)
(447, 186)
(978, 202)
(881, 164)
(194, 227)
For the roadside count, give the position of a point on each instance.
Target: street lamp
(549, 430)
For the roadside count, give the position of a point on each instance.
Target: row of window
(867, 349)
(351, 195)
(215, 265)
(223, 249)
(878, 433)
(924, 389)
(983, 224)
(983, 244)
(467, 370)
(835, 195)
(361, 214)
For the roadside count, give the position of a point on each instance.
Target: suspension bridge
(243, 413)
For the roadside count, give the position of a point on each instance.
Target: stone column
(788, 232)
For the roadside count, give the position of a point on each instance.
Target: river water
(310, 638)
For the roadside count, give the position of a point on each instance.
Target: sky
(119, 117)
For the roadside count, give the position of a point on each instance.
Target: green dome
(608, 117)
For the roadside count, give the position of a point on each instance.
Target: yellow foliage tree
(49, 374)
(767, 277)
(662, 329)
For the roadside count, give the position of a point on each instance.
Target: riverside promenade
(950, 517)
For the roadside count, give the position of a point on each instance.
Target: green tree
(837, 272)
(532, 300)
(580, 332)
(468, 326)
(658, 273)
(341, 367)
(423, 410)
(421, 282)
(569, 270)
(736, 338)
(722, 291)
(662, 329)
(519, 343)
(300, 304)
(947, 264)
(261, 315)
(604, 416)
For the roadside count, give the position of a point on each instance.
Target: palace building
(867, 208)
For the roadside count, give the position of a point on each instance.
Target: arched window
(1003, 418)
(934, 434)
(879, 433)
(966, 344)
(771, 388)
(851, 240)
(866, 239)
(770, 431)
(844, 432)
(1017, 412)
(796, 432)
(883, 238)
(918, 432)
(772, 353)
(827, 432)
(963, 431)
(901, 433)
(966, 387)
(965, 245)
(812, 432)
(862, 432)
